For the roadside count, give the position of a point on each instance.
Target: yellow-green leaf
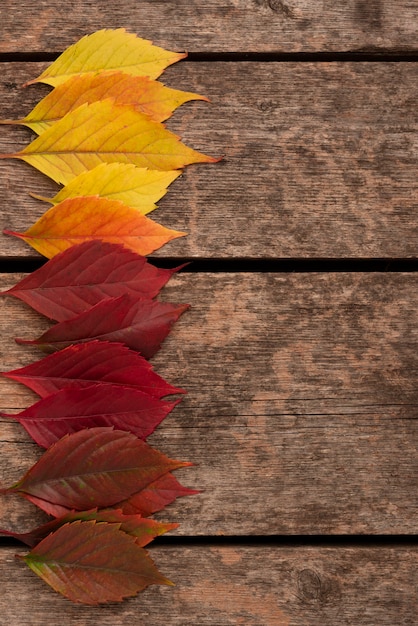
(105, 132)
(87, 218)
(145, 95)
(109, 50)
(137, 187)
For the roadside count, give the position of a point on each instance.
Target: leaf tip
(186, 464)
(215, 159)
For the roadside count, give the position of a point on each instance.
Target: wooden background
(300, 350)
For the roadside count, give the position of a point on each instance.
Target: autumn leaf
(92, 563)
(139, 324)
(144, 530)
(137, 187)
(85, 364)
(105, 132)
(93, 467)
(109, 49)
(69, 410)
(77, 220)
(146, 96)
(83, 275)
(155, 496)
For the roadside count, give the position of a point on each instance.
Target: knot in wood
(309, 585)
(280, 7)
(314, 588)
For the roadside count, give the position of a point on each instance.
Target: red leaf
(80, 277)
(156, 496)
(144, 530)
(93, 362)
(92, 562)
(92, 467)
(69, 410)
(140, 324)
(51, 508)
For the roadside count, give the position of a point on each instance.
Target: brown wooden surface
(230, 585)
(320, 161)
(301, 387)
(215, 25)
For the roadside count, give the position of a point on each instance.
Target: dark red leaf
(156, 496)
(144, 530)
(77, 279)
(140, 324)
(69, 410)
(95, 467)
(93, 562)
(84, 364)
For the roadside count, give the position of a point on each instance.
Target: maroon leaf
(77, 279)
(144, 530)
(69, 410)
(92, 562)
(51, 508)
(140, 324)
(93, 362)
(95, 467)
(156, 496)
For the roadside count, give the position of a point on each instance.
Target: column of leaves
(100, 134)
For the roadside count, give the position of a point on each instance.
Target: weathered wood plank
(301, 405)
(217, 26)
(320, 161)
(220, 586)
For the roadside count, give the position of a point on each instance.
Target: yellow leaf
(145, 95)
(109, 50)
(104, 132)
(87, 218)
(137, 187)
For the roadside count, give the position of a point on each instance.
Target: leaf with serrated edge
(90, 218)
(92, 467)
(109, 49)
(139, 324)
(156, 496)
(144, 530)
(83, 275)
(146, 96)
(105, 132)
(69, 410)
(93, 562)
(137, 187)
(85, 364)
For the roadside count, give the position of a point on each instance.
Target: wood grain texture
(320, 160)
(301, 409)
(225, 586)
(217, 25)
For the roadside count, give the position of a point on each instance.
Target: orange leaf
(86, 218)
(145, 95)
(109, 50)
(105, 132)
